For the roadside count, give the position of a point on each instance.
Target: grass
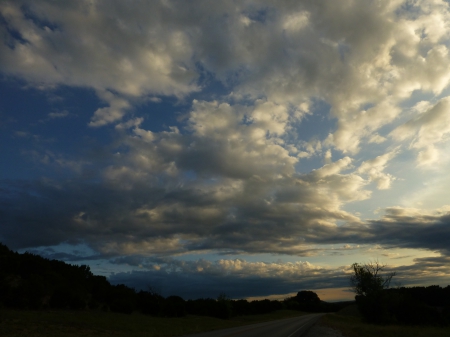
(96, 323)
(352, 326)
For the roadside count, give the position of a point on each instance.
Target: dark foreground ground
(349, 323)
(98, 323)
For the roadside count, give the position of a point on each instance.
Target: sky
(253, 148)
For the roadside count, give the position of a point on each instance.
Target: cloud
(225, 183)
(143, 227)
(61, 114)
(255, 216)
(424, 271)
(239, 172)
(21, 134)
(56, 160)
(237, 278)
(112, 113)
(228, 183)
(313, 49)
(83, 45)
(414, 228)
(333, 168)
(374, 169)
(430, 128)
(377, 139)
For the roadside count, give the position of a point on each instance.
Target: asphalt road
(289, 327)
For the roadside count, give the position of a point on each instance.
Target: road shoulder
(323, 331)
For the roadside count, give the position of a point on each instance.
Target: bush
(375, 308)
(149, 303)
(173, 306)
(122, 305)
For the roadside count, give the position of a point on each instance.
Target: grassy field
(352, 326)
(96, 323)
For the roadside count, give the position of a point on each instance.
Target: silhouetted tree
(173, 306)
(291, 304)
(149, 302)
(367, 278)
(224, 306)
(241, 307)
(308, 300)
(369, 283)
(122, 299)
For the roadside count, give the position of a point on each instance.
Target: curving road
(289, 327)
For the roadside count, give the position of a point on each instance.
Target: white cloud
(428, 156)
(426, 132)
(376, 138)
(374, 168)
(123, 48)
(112, 113)
(83, 44)
(333, 168)
(295, 22)
(353, 55)
(61, 114)
(327, 157)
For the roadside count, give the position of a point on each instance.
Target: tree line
(380, 304)
(29, 281)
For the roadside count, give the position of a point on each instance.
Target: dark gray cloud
(199, 286)
(156, 220)
(239, 278)
(66, 257)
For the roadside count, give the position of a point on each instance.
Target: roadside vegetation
(352, 326)
(31, 282)
(380, 304)
(391, 312)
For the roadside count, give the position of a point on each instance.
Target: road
(289, 327)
